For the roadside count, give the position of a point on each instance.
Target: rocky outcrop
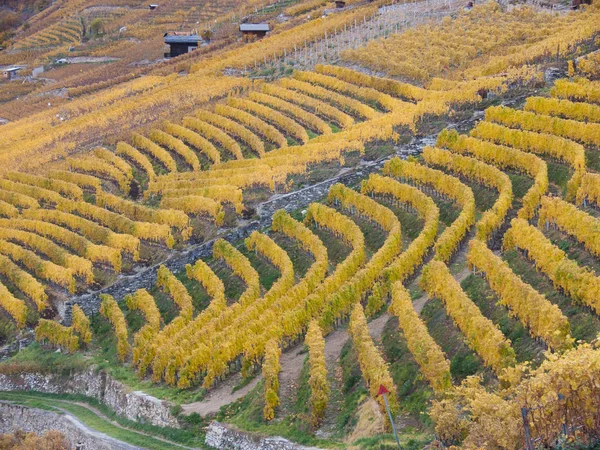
(225, 437)
(133, 405)
(17, 417)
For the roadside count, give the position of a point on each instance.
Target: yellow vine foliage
(581, 90)
(319, 387)
(270, 370)
(283, 122)
(428, 354)
(267, 131)
(446, 185)
(46, 270)
(374, 369)
(347, 104)
(483, 336)
(216, 134)
(138, 158)
(111, 311)
(15, 307)
(79, 179)
(80, 266)
(503, 157)
(89, 229)
(81, 324)
(586, 133)
(240, 266)
(316, 106)
(155, 151)
(64, 188)
(176, 146)
(544, 319)
(308, 119)
(56, 334)
(484, 174)
(582, 112)
(579, 283)
(234, 128)
(568, 218)
(200, 143)
(195, 204)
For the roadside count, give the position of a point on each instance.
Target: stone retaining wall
(225, 437)
(133, 405)
(17, 417)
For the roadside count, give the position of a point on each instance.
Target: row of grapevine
(579, 283)
(200, 143)
(176, 146)
(426, 351)
(281, 121)
(581, 90)
(234, 128)
(96, 233)
(503, 157)
(543, 319)
(407, 262)
(483, 336)
(274, 310)
(111, 311)
(586, 133)
(347, 104)
(267, 131)
(80, 266)
(451, 187)
(214, 134)
(219, 193)
(365, 94)
(374, 369)
(319, 387)
(582, 112)
(57, 334)
(316, 106)
(64, 188)
(240, 266)
(137, 157)
(341, 303)
(589, 189)
(270, 370)
(571, 220)
(307, 119)
(101, 169)
(481, 173)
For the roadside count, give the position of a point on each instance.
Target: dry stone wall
(225, 437)
(133, 405)
(17, 417)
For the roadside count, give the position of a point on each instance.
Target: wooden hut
(253, 31)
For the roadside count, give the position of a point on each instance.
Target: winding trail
(220, 396)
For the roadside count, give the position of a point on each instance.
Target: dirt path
(291, 362)
(118, 425)
(376, 326)
(220, 396)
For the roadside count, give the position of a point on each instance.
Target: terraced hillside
(464, 278)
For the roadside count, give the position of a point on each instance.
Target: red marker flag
(382, 390)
